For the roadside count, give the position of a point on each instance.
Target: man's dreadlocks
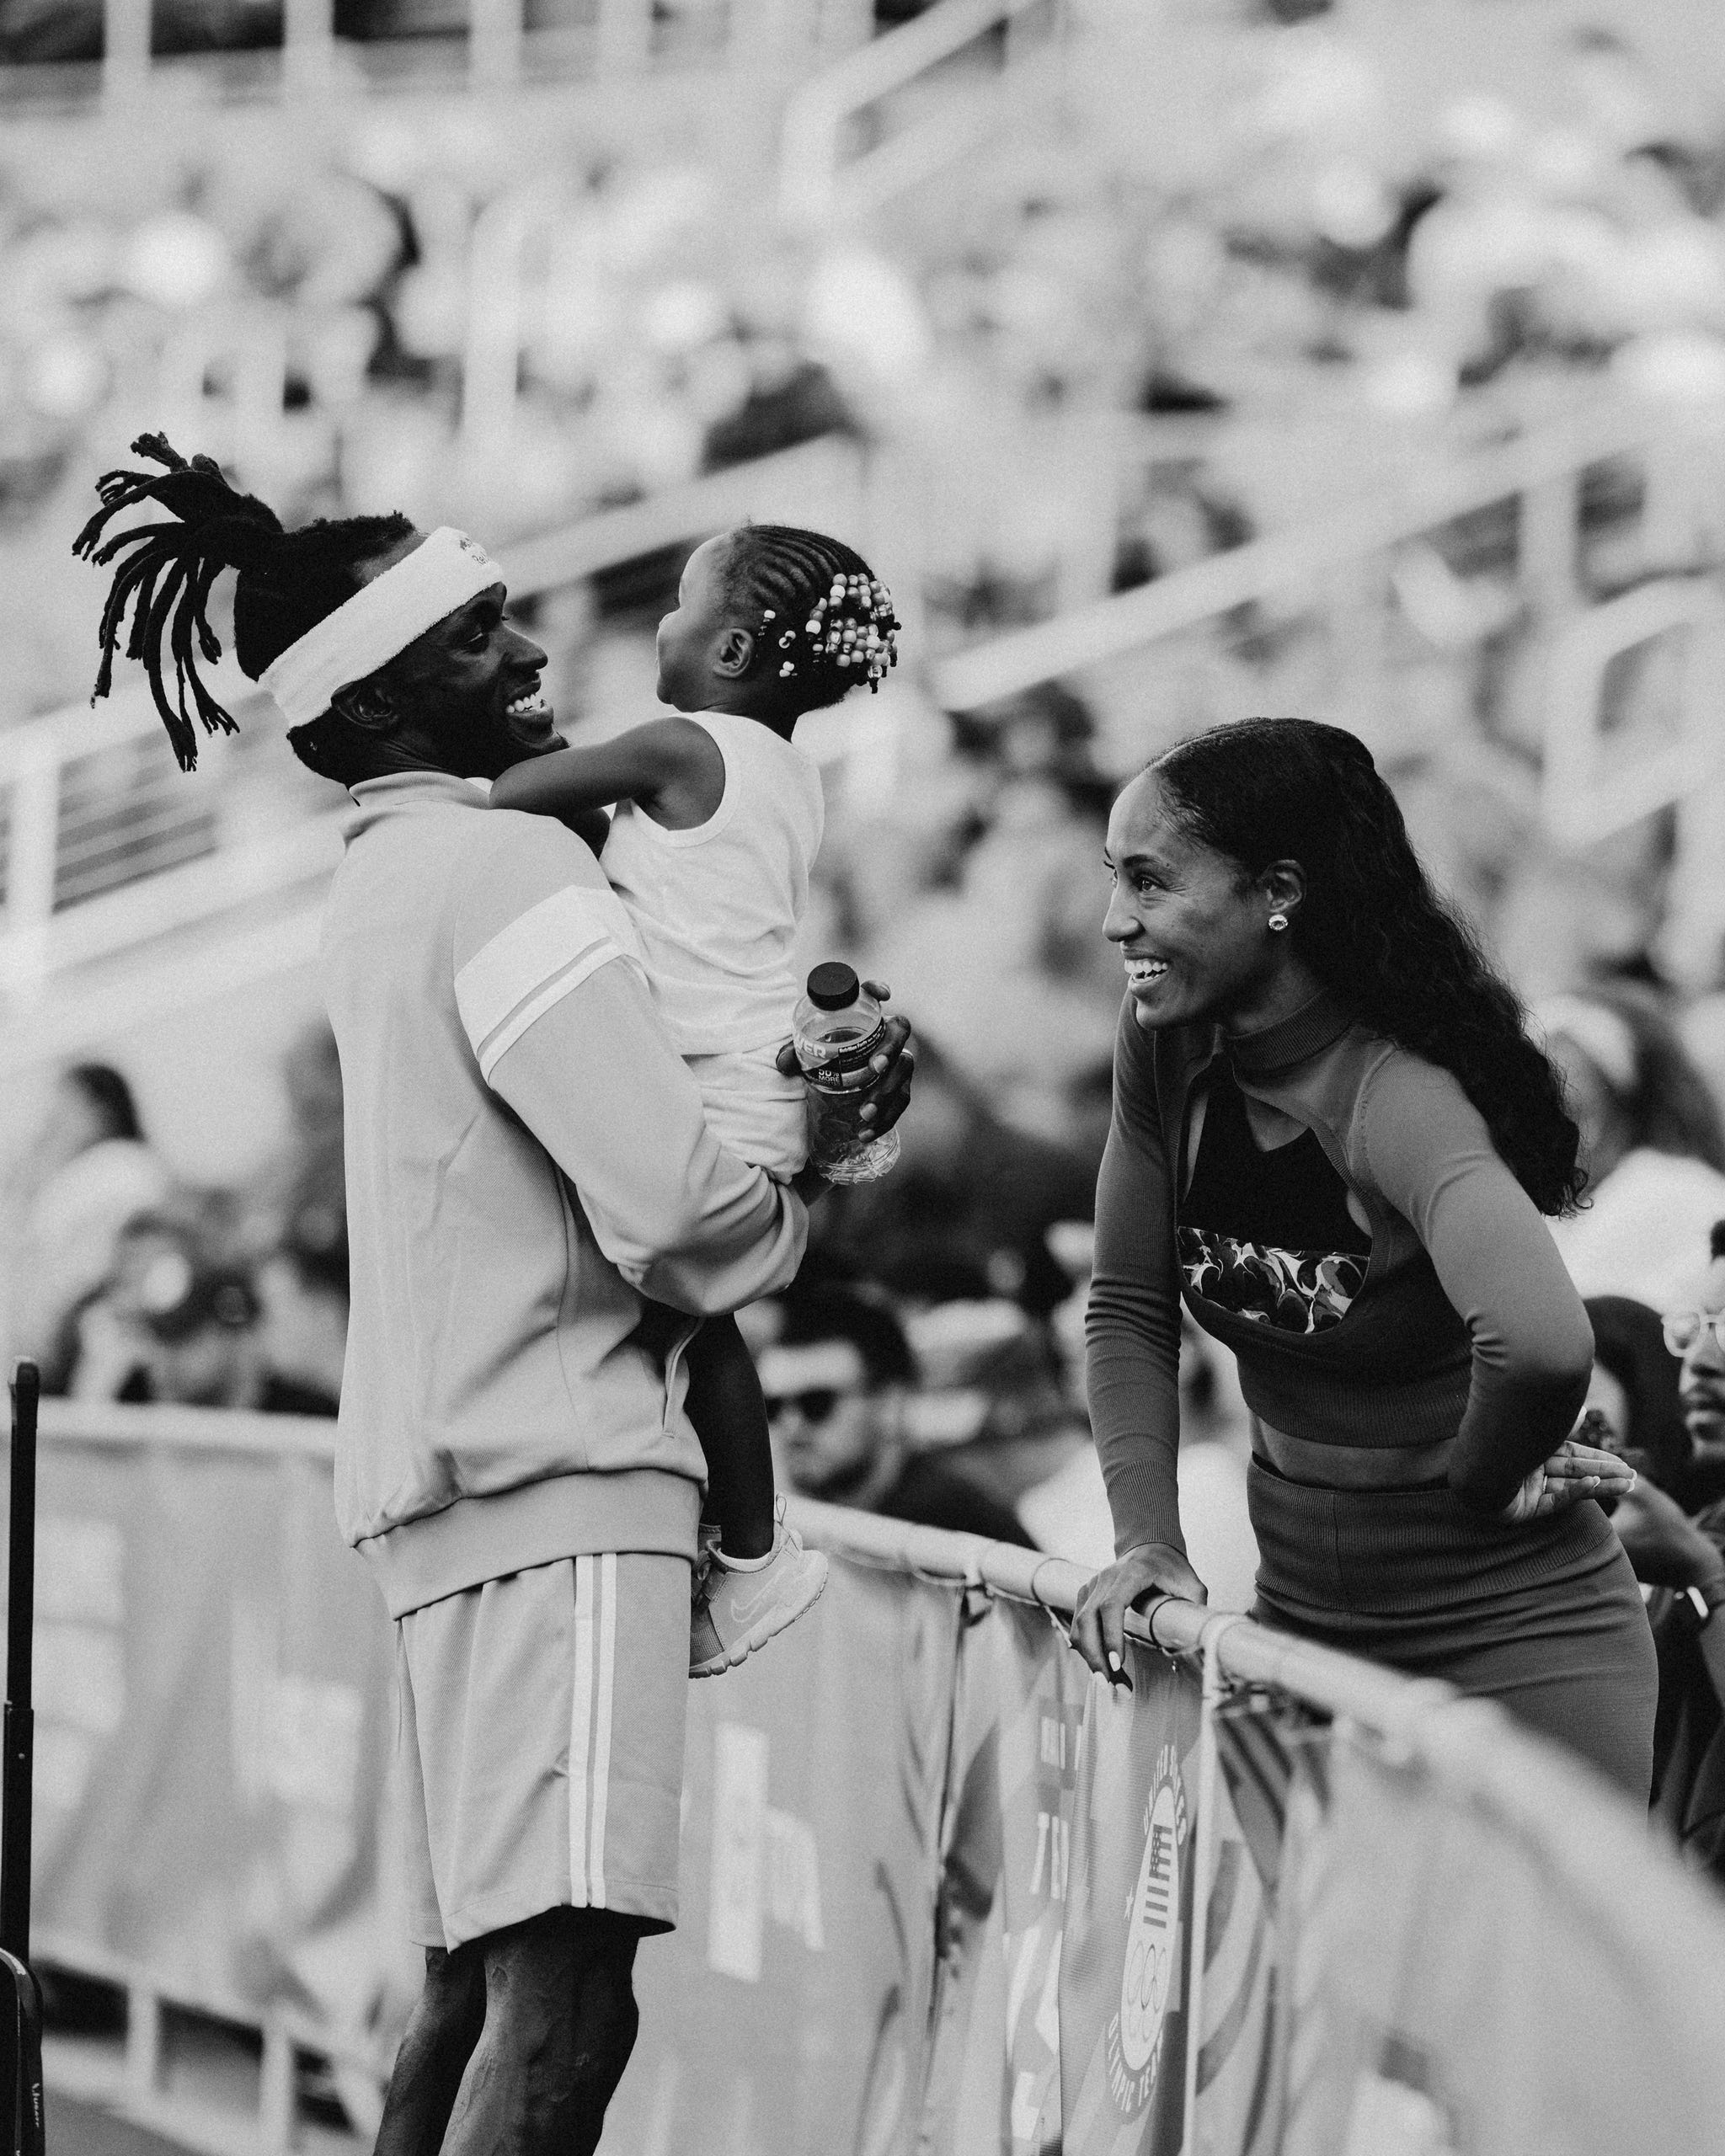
(289, 581)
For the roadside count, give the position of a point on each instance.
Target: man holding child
(533, 1197)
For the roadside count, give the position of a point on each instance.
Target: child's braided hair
(826, 621)
(289, 581)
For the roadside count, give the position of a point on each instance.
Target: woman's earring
(1278, 921)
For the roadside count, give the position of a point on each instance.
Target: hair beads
(851, 626)
(801, 590)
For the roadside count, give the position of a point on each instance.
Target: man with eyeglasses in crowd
(1680, 1559)
(1668, 1545)
(838, 1373)
(1697, 1334)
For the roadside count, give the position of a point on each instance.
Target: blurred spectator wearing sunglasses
(838, 1375)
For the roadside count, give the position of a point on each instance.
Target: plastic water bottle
(837, 1028)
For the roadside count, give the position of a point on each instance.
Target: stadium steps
(209, 902)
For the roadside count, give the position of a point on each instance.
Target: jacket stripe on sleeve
(541, 957)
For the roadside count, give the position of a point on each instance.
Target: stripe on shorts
(601, 1722)
(589, 1726)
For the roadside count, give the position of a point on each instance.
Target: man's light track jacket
(526, 1162)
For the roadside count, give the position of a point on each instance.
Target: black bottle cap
(833, 986)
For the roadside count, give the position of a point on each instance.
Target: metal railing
(107, 848)
(1610, 1870)
(1414, 1711)
(482, 45)
(1596, 1853)
(85, 877)
(1541, 472)
(1349, 570)
(816, 179)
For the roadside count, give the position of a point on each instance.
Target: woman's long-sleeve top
(1465, 1325)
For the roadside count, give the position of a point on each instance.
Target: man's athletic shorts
(540, 1745)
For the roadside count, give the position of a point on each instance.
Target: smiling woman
(1195, 932)
(1333, 1140)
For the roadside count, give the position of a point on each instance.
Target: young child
(719, 817)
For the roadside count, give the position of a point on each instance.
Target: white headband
(382, 617)
(1601, 1033)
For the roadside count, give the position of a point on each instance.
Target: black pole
(18, 1737)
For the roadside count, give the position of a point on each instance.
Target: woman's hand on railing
(1098, 1629)
(1574, 1471)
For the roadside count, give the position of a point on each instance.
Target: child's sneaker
(707, 1540)
(739, 1605)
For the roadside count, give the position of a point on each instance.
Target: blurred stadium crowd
(1309, 294)
(320, 296)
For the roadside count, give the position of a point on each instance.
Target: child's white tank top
(717, 906)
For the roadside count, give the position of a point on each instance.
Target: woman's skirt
(1545, 1618)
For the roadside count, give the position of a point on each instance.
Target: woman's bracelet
(1707, 1595)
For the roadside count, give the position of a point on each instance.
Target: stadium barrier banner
(1126, 1979)
(994, 2074)
(790, 2010)
(943, 1893)
(213, 1710)
(1452, 1997)
(966, 2087)
(1270, 1770)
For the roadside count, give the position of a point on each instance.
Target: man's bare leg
(441, 2037)
(559, 2025)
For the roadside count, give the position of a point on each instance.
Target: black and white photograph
(863, 1077)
